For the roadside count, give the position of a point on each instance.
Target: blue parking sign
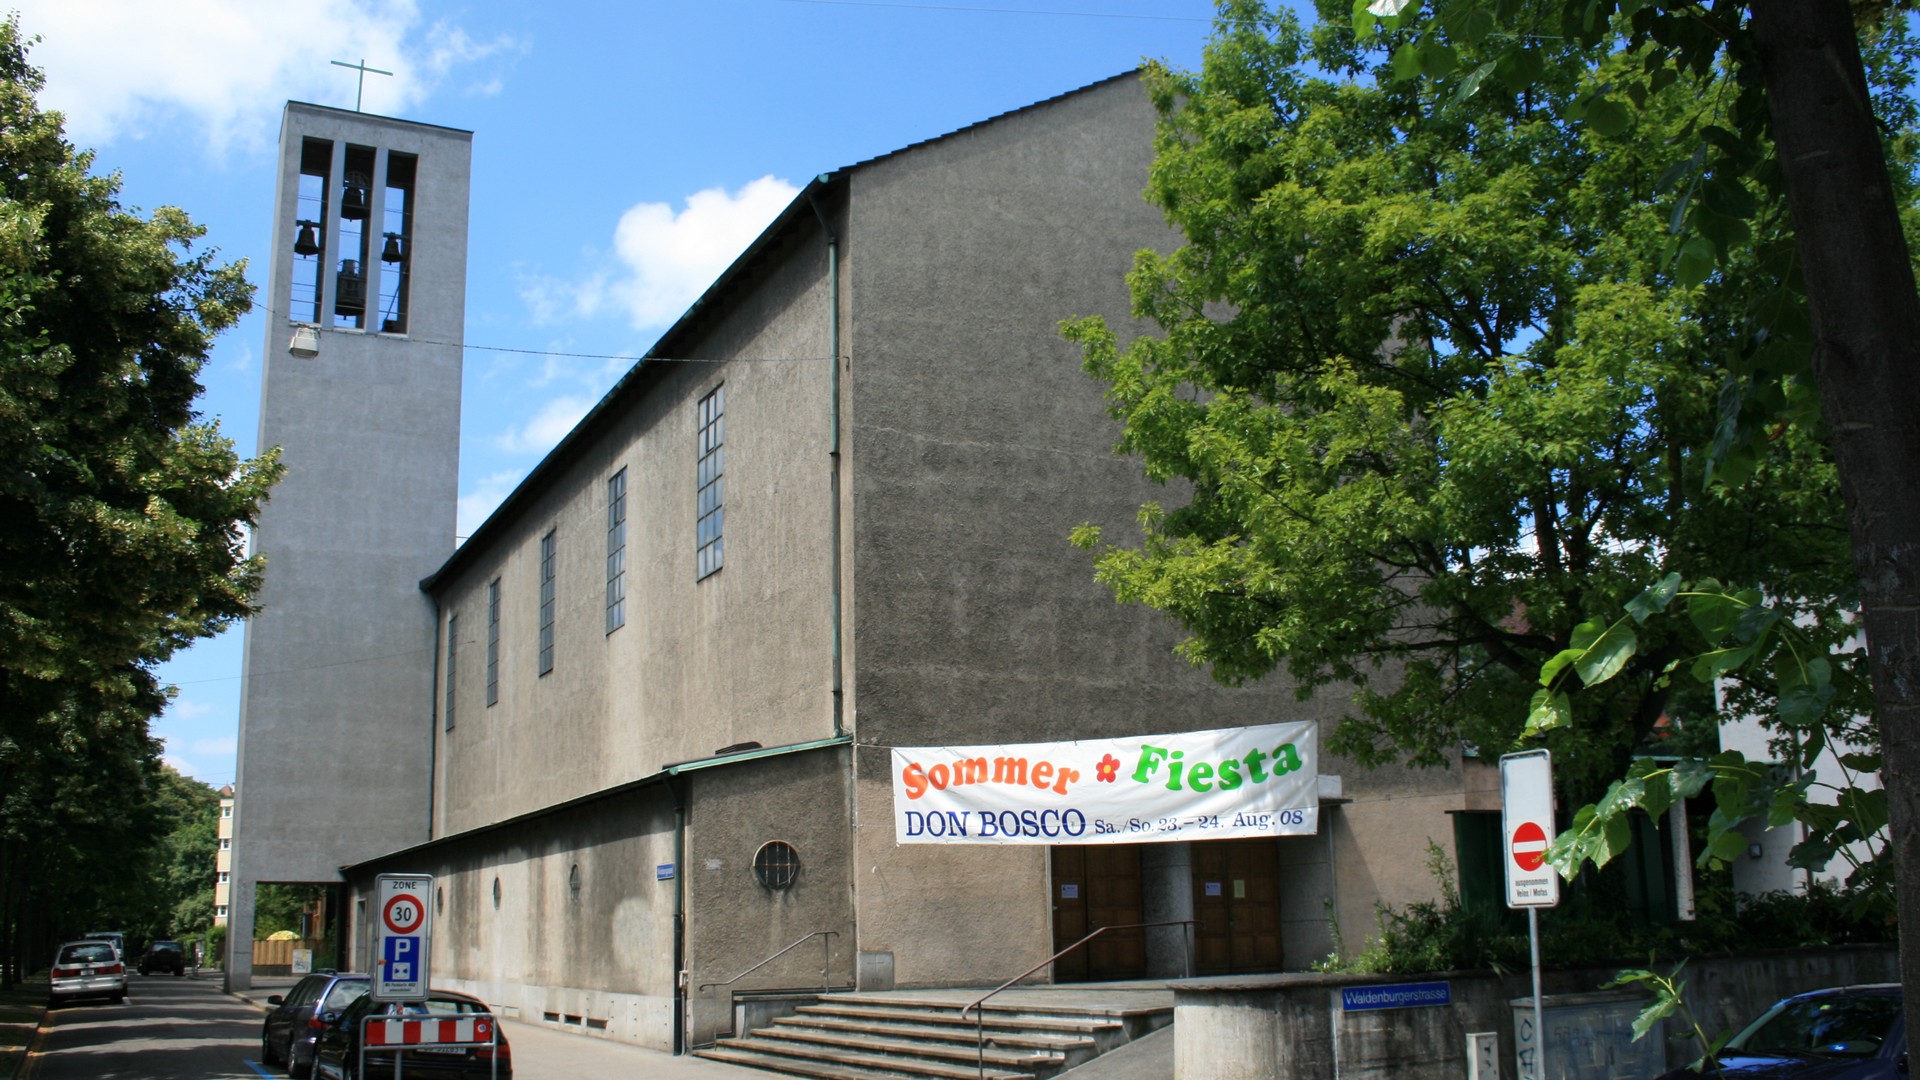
(401, 950)
(402, 954)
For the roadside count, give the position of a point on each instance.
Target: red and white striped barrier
(398, 1032)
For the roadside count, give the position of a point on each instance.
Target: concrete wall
(1380, 839)
(700, 664)
(735, 922)
(1257, 1028)
(334, 754)
(561, 920)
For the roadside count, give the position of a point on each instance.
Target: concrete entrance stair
(1031, 1033)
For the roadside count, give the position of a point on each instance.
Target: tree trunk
(1866, 361)
(9, 917)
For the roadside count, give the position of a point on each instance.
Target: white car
(90, 968)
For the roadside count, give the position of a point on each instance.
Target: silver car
(88, 969)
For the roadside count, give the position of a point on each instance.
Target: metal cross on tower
(363, 69)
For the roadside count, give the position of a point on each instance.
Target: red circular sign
(1529, 846)
(403, 914)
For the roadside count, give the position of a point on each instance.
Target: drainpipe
(833, 451)
(833, 531)
(433, 722)
(681, 1036)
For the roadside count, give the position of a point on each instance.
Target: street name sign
(402, 934)
(1397, 996)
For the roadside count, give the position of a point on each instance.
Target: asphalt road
(168, 1029)
(190, 1029)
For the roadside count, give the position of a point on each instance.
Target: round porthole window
(776, 864)
(496, 894)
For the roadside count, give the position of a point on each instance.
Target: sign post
(1526, 827)
(402, 932)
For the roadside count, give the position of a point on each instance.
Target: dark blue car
(1845, 1033)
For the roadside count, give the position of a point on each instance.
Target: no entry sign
(401, 935)
(1526, 819)
(1529, 846)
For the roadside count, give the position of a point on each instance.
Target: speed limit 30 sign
(402, 933)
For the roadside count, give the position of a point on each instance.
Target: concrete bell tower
(361, 392)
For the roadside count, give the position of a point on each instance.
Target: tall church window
(547, 545)
(493, 641)
(709, 548)
(453, 644)
(617, 551)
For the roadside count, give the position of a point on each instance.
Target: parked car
(1844, 1033)
(292, 1027)
(338, 1055)
(87, 968)
(163, 955)
(119, 940)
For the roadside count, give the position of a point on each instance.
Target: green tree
(122, 513)
(278, 907)
(1435, 390)
(184, 879)
(1813, 132)
(192, 917)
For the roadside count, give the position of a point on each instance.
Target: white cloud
(546, 427)
(481, 500)
(239, 358)
(226, 744)
(118, 67)
(187, 709)
(665, 259)
(562, 364)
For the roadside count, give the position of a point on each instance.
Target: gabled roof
(805, 205)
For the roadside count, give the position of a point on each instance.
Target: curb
(23, 1070)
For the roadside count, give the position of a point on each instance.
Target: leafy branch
(1746, 637)
(1669, 997)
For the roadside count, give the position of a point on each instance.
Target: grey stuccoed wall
(1282, 1027)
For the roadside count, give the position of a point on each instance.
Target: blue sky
(624, 153)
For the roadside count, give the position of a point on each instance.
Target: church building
(640, 726)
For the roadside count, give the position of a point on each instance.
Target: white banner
(1198, 785)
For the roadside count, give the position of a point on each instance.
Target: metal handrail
(980, 1014)
(826, 966)
(826, 957)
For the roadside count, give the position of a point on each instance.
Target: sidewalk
(21, 1010)
(541, 1053)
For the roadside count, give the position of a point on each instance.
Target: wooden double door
(1236, 905)
(1098, 885)
(1236, 901)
